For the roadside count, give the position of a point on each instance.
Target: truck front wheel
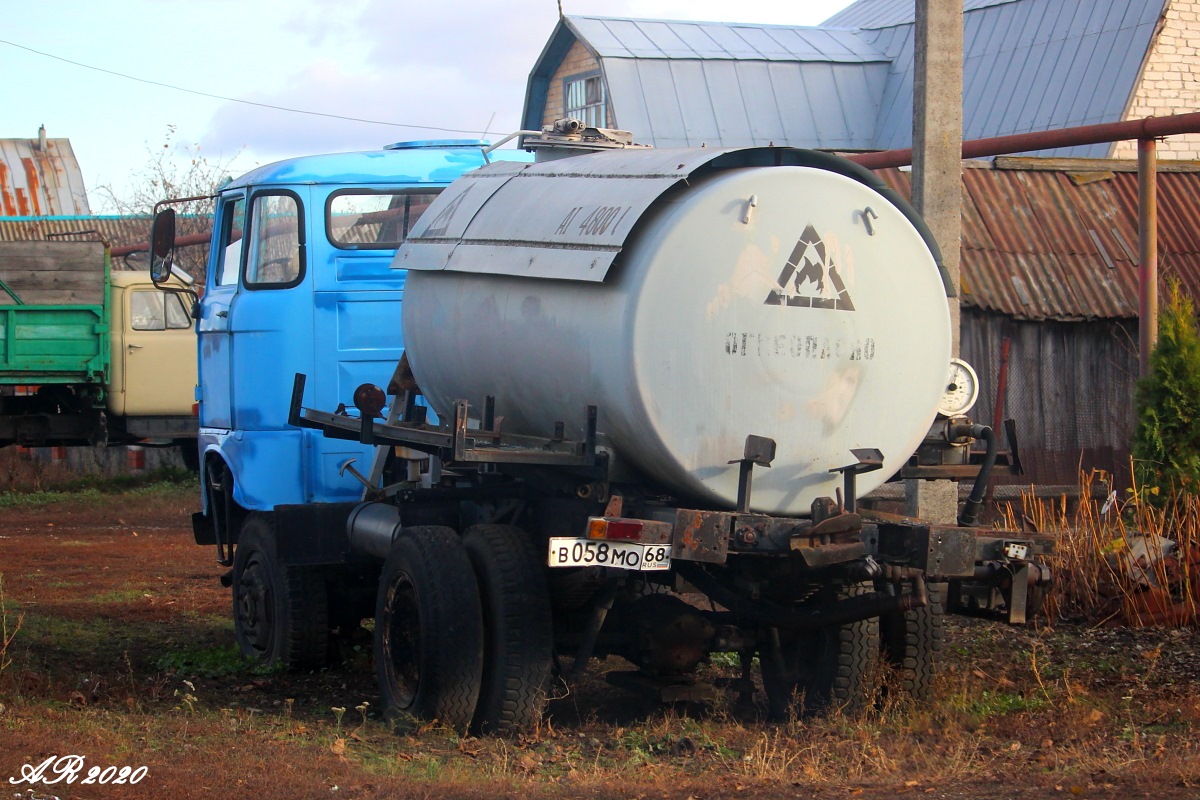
(823, 669)
(280, 614)
(428, 630)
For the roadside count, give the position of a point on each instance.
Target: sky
(421, 67)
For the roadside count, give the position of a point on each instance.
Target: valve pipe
(974, 505)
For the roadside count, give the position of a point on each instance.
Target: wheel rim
(256, 605)
(402, 641)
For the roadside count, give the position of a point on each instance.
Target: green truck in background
(89, 356)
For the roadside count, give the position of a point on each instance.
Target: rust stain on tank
(6, 197)
(34, 183)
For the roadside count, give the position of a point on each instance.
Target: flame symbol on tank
(803, 279)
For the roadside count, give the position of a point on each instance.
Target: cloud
(412, 64)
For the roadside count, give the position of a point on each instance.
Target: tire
(913, 641)
(189, 453)
(518, 641)
(428, 631)
(280, 614)
(824, 669)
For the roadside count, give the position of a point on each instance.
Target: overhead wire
(240, 100)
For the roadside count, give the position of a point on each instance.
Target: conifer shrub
(1166, 446)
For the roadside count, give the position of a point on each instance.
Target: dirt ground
(121, 653)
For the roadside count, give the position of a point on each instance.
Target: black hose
(974, 505)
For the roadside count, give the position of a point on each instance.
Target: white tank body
(782, 301)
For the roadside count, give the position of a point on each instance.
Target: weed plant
(1132, 561)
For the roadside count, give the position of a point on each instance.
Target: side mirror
(162, 245)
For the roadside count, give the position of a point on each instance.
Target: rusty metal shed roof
(114, 229)
(40, 177)
(1058, 238)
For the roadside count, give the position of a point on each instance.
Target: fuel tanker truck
(641, 393)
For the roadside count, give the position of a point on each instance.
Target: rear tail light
(601, 528)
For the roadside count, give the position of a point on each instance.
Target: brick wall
(1170, 81)
(579, 60)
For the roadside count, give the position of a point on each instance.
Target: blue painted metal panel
(440, 165)
(339, 325)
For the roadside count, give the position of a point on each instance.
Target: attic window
(584, 99)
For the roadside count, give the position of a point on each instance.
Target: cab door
(158, 353)
(213, 327)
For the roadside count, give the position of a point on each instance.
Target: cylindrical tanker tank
(694, 297)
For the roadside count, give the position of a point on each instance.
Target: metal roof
(889, 13)
(1028, 65)
(40, 177)
(611, 37)
(686, 84)
(1048, 240)
(114, 229)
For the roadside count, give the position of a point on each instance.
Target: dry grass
(1109, 562)
(126, 678)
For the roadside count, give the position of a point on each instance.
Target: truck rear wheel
(280, 614)
(912, 643)
(518, 650)
(824, 669)
(428, 630)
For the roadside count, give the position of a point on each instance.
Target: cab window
(232, 219)
(276, 252)
(152, 310)
(357, 219)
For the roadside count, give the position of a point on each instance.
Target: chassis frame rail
(455, 442)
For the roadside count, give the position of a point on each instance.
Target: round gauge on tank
(962, 389)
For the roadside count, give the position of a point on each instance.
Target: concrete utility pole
(937, 185)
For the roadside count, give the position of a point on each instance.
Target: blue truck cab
(299, 281)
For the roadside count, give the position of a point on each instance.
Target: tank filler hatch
(570, 218)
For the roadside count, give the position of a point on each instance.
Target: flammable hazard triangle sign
(809, 278)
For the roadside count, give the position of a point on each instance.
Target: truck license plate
(566, 552)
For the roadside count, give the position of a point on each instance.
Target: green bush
(1166, 447)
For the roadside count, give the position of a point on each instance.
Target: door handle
(133, 346)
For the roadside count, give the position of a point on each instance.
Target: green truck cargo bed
(54, 317)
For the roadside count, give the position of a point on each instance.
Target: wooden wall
(1070, 390)
(53, 273)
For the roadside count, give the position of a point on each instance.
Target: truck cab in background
(89, 355)
(299, 281)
